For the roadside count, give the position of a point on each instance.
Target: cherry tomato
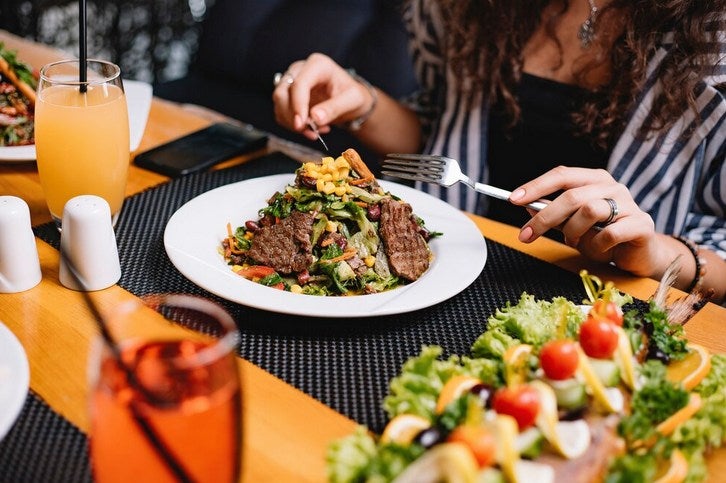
(521, 402)
(559, 359)
(598, 338)
(479, 440)
(607, 310)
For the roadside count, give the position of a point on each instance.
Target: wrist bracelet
(358, 122)
(700, 263)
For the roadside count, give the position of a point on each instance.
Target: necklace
(587, 29)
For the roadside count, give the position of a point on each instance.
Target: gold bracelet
(358, 122)
(700, 263)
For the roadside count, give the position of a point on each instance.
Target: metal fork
(441, 170)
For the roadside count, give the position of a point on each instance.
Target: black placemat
(42, 446)
(344, 363)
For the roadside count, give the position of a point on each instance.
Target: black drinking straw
(149, 432)
(83, 51)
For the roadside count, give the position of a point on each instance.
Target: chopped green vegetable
(357, 458)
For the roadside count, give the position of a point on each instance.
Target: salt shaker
(19, 262)
(88, 244)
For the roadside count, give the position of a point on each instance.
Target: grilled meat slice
(285, 246)
(407, 252)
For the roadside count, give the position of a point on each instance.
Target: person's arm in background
(323, 91)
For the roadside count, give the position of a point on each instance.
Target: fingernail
(517, 194)
(526, 234)
(297, 122)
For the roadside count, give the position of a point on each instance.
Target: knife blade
(314, 128)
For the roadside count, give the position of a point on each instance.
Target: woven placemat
(344, 363)
(42, 446)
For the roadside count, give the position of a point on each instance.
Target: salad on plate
(17, 100)
(551, 391)
(333, 231)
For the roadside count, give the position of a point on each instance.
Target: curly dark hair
(490, 53)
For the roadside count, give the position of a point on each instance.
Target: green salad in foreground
(550, 392)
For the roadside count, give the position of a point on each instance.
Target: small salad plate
(14, 379)
(138, 99)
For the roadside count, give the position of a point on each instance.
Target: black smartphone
(201, 149)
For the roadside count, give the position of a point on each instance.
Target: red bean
(374, 212)
(252, 226)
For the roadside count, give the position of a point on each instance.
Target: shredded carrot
(233, 247)
(347, 254)
(356, 182)
(229, 230)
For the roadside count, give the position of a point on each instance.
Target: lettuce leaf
(416, 389)
(530, 321)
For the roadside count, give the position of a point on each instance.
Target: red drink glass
(171, 410)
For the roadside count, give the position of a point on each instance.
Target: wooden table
(286, 431)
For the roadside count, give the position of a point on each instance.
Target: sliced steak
(407, 252)
(286, 245)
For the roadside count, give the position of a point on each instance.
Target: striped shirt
(680, 182)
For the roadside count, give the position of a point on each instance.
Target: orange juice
(194, 411)
(82, 144)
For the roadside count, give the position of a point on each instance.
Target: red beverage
(187, 393)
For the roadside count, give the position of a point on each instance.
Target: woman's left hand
(583, 213)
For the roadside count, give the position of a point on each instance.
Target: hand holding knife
(314, 128)
(288, 78)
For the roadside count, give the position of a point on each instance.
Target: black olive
(654, 352)
(430, 437)
(648, 327)
(484, 392)
(573, 414)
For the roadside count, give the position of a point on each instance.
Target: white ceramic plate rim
(194, 232)
(14, 379)
(138, 99)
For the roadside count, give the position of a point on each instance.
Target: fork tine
(428, 158)
(413, 177)
(412, 167)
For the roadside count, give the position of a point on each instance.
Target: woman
(613, 110)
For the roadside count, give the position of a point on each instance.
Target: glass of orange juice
(165, 405)
(81, 134)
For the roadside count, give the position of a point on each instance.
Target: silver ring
(289, 79)
(613, 212)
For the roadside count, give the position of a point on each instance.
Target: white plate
(14, 379)
(138, 98)
(196, 230)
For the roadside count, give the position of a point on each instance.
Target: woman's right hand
(319, 89)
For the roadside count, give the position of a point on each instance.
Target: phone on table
(202, 149)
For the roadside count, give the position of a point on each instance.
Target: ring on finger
(613, 212)
(287, 77)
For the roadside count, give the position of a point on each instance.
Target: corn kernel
(341, 162)
(249, 235)
(331, 226)
(295, 288)
(344, 198)
(370, 260)
(320, 185)
(310, 167)
(340, 190)
(344, 173)
(329, 188)
(348, 188)
(328, 160)
(327, 177)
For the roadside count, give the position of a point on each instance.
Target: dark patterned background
(152, 40)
